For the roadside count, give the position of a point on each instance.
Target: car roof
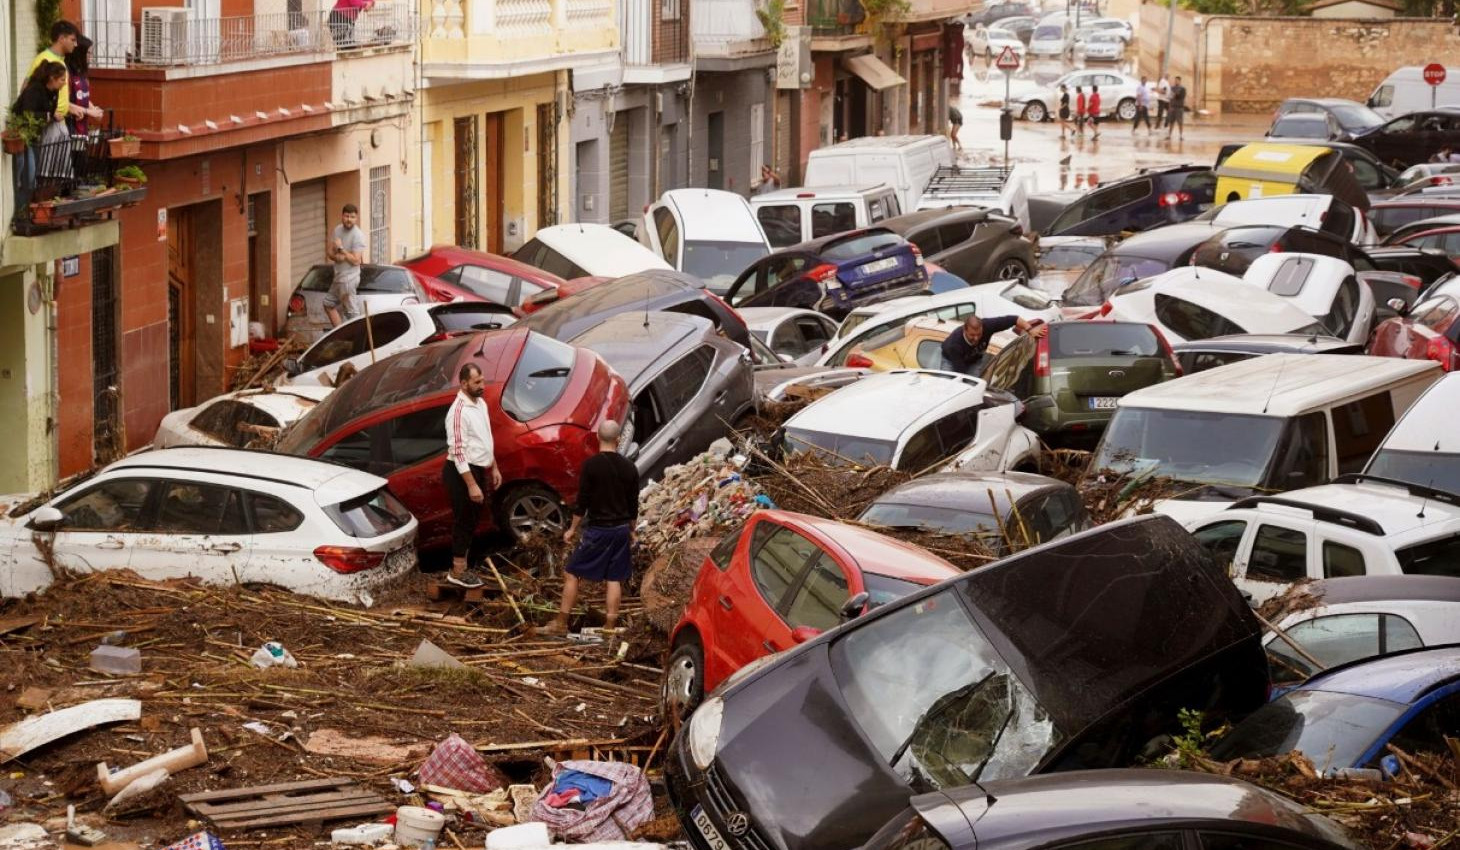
(1165, 243)
(606, 245)
(816, 246)
(810, 193)
(632, 343)
(910, 305)
(279, 400)
(877, 142)
(1323, 101)
(1401, 677)
(1221, 293)
(1266, 343)
(874, 553)
(330, 482)
(714, 214)
(968, 491)
(459, 255)
(652, 288)
(1428, 425)
(901, 398)
(1383, 588)
(917, 218)
(1395, 508)
(1294, 383)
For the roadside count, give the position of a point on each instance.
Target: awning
(873, 71)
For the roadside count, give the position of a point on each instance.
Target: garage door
(618, 168)
(308, 228)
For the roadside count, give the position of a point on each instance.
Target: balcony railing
(174, 36)
(834, 17)
(70, 182)
(655, 32)
(720, 27)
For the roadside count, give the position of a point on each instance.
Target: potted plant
(22, 129)
(130, 176)
(125, 146)
(40, 213)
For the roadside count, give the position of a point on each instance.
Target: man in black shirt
(966, 349)
(608, 507)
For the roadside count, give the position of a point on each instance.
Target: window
(930, 354)
(668, 235)
(1436, 313)
(815, 331)
(928, 241)
(1434, 558)
(922, 451)
(555, 263)
(1339, 319)
(1222, 539)
(778, 561)
(724, 551)
(1103, 339)
(1232, 841)
(1338, 639)
(1302, 456)
(833, 218)
(114, 505)
(188, 507)
(1383, 96)
(1358, 428)
(819, 599)
(271, 515)
(487, 283)
(955, 234)
(380, 213)
(370, 515)
(956, 430)
(1278, 554)
(351, 339)
(395, 443)
(465, 317)
(1427, 731)
(1340, 560)
(1003, 371)
(1191, 321)
(223, 420)
(1134, 841)
(678, 384)
(539, 378)
(781, 223)
(756, 127)
(860, 245)
(1117, 196)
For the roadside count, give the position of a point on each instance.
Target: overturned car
(1072, 655)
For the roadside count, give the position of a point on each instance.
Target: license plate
(1103, 402)
(707, 829)
(878, 266)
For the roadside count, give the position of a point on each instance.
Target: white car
(224, 516)
(989, 299)
(914, 420)
(380, 288)
(1423, 447)
(1322, 287)
(989, 42)
(1320, 212)
(1051, 38)
(795, 335)
(708, 233)
(1117, 95)
(1190, 302)
(238, 419)
(586, 250)
(1354, 527)
(1100, 47)
(360, 342)
(1113, 26)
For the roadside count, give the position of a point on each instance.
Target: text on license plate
(877, 266)
(1103, 402)
(707, 829)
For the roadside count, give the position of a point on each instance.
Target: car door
(199, 525)
(817, 599)
(748, 623)
(274, 547)
(407, 446)
(1280, 553)
(691, 416)
(1391, 142)
(102, 521)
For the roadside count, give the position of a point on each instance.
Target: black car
(1423, 219)
(1348, 117)
(1373, 176)
(1199, 355)
(654, 289)
(1389, 216)
(1023, 666)
(834, 274)
(1142, 255)
(1149, 198)
(1414, 138)
(1304, 126)
(1110, 810)
(977, 245)
(1233, 250)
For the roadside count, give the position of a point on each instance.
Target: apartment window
(669, 10)
(380, 214)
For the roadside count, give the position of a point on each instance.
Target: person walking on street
(1163, 101)
(469, 461)
(1064, 112)
(1093, 107)
(1177, 119)
(347, 252)
(607, 508)
(1079, 111)
(966, 349)
(1143, 107)
(955, 123)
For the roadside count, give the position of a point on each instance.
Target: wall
(589, 123)
(25, 403)
(731, 93)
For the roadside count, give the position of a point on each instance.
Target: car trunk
(877, 273)
(1107, 377)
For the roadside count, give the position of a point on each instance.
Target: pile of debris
(706, 495)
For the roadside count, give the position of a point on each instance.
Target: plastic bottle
(273, 654)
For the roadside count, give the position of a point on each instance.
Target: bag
(610, 817)
(456, 764)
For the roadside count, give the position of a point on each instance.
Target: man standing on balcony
(64, 36)
(343, 18)
(347, 252)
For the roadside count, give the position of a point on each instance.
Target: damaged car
(241, 419)
(1013, 669)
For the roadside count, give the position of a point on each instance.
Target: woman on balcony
(343, 18)
(78, 64)
(37, 98)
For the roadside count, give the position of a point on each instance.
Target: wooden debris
(33, 698)
(21, 737)
(192, 755)
(313, 801)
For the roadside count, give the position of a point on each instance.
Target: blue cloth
(588, 786)
(603, 554)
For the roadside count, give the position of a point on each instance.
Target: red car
(572, 287)
(780, 580)
(546, 399)
(1429, 331)
(1443, 239)
(453, 273)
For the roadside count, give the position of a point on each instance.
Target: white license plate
(707, 829)
(1103, 402)
(878, 266)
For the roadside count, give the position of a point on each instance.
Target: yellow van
(1264, 169)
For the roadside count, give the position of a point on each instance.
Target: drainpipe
(47, 282)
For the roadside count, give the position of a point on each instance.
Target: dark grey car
(977, 245)
(688, 383)
(653, 289)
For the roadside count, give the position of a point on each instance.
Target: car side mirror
(292, 367)
(801, 634)
(1397, 305)
(47, 518)
(855, 606)
(1128, 280)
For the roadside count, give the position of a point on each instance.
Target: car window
(555, 263)
(922, 451)
(531, 253)
(1302, 456)
(930, 354)
(1358, 428)
(465, 316)
(114, 505)
(1192, 321)
(190, 507)
(1344, 310)
(680, 382)
(1278, 554)
(539, 378)
(956, 430)
(781, 223)
(1428, 730)
(1003, 370)
(487, 283)
(1369, 178)
(1222, 539)
(832, 218)
(1233, 841)
(927, 240)
(396, 443)
(385, 279)
(1132, 841)
(370, 515)
(815, 331)
(223, 420)
(1200, 361)
(341, 343)
(1102, 339)
(778, 561)
(724, 551)
(668, 231)
(1340, 561)
(1434, 558)
(787, 339)
(271, 515)
(859, 245)
(1114, 197)
(818, 601)
(1337, 639)
(1436, 313)
(955, 233)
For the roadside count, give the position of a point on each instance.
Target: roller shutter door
(618, 168)
(308, 228)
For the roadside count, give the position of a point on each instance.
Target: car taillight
(1275, 248)
(917, 253)
(825, 274)
(858, 360)
(1105, 309)
(1041, 357)
(1171, 199)
(296, 304)
(1166, 348)
(348, 559)
(1442, 351)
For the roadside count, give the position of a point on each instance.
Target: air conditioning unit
(164, 35)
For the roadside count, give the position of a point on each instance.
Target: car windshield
(387, 279)
(1301, 127)
(947, 519)
(1074, 256)
(859, 245)
(1355, 116)
(1435, 470)
(1048, 33)
(1332, 729)
(1103, 339)
(996, 34)
(1107, 274)
(840, 448)
(1220, 449)
(956, 716)
(719, 263)
(537, 382)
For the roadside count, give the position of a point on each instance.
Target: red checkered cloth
(612, 817)
(456, 764)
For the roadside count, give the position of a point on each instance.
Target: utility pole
(1170, 30)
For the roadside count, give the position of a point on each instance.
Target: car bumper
(692, 790)
(839, 302)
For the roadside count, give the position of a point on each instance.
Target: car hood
(1188, 511)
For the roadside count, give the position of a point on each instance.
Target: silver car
(1117, 95)
(381, 287)
(1101, 47)
(688, 383)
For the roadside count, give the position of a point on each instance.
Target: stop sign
(1434, 73)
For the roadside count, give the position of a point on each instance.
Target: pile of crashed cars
(1279, 374)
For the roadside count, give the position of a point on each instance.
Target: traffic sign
(1434, 73)
(1009, 60)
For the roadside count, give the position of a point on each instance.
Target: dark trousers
(465, 513)
(1161, 113)
(342, 29)
(1143, 113)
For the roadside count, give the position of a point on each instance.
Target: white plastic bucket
(519, 837)
(415, 825)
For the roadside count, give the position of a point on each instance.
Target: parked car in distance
(360, 342)
(1117, 26)
(989, 42)
(1422, 448)
(1314, 125)
(834, 274)
(238, 419)
(1202, 354)
(1052, 38)
(1427, 331)
(587, 250)
(1100, 47)
(688, 384)
(975, 244)
(1414, 138)
(707, 233)
(1347, 117)
(1371, 175)
(1432, 215)
(792, 216)
(1318, 212)
(1005, 512)
(1110, 808)
(998, 11)
(1390, 216)
(546, 400)
(1346, 717)
(1195, 303)
(1117, 94)
(313, 528)
(665, 289)
(791, 332)
(1405, 90)
(1147, 199)
(461, 273)
(380, 288)
(787, 577)
(1445, 239)
(1071, 379)
(1022, 26)
(1009, 646)
(1139, 257)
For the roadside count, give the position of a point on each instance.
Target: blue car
(1346, 716)
(834, 274)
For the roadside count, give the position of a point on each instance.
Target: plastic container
(273, 654)
(116, 659)
(519, 837)
(365, 833)
(415, 825)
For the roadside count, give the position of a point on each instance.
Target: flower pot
(14, 145)
(40, 213)
(122, 148)
(127, 182)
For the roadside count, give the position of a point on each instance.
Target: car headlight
(704, 732)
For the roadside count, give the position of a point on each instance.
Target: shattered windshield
(955, 717)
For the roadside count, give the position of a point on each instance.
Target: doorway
(107, 443)
(465, 168)
(180, 331)
(496, 147)
(260, 282)
(715, 150)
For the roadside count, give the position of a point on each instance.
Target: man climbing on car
(966, 349)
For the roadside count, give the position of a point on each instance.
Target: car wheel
(1035, 112)
(1126, 109)
(531, 508)
(1011, 268)
(684, 679)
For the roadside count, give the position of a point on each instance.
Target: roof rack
(1414, 489)
(1348, 519)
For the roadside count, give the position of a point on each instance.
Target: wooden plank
(363, 810)
(236, 793)
(11, 624)
(216, 810)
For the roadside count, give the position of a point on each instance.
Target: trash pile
(706, 495)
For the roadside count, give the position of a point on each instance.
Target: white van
(1406, 91)
(792, 216)
(708, 233)
(586, 250)
(1269, 424)
(906, 163)
(1424, 447)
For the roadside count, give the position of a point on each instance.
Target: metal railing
(834, 17)
(61, 180)
(655, 32)
(175, 36)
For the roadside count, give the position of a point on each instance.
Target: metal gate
(467, 193)
(107, 442)
(308, 228)
(547, 164)
(618, 168)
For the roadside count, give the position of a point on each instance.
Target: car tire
(1126, 109)
(683, 687)
(1035, 111)
(1011, 268)
(530, 507)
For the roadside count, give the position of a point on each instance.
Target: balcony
(496, 39)
(655, 37)
(74, 182)
(834, 18)
(934, 10)
(726, 33)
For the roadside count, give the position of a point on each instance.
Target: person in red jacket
(1094, 110)
(1080, 111)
